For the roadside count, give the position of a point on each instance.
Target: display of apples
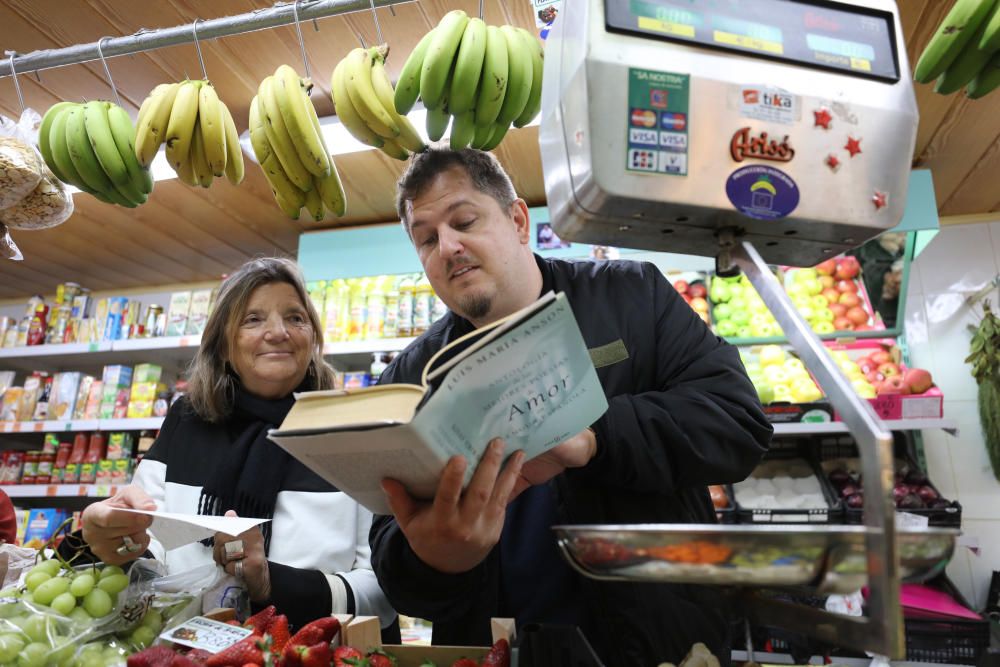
(694, 293)
(828, 296)
(888, 377)
(779, 377)
(738, 311)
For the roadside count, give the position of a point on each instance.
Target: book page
(534, 386)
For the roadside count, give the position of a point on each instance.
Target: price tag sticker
(907, 520)
(68, 426)
(81, 490)
(93, 347)
(38, 427)
(206, 634)
(186, 342)
(51, 490)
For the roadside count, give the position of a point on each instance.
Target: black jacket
(682, 415)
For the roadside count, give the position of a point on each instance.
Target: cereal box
(198, 313)
(11, 404)
(63, 397)
(82, 394)
(120, 446)
(177, 313)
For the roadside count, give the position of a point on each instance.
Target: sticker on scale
(762, 192)
(657, 131)
(767, 103)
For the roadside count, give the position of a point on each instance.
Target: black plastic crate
(955, 641)
(832, 449)
(795, 449)
(727, 515)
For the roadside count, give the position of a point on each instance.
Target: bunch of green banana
(480, 78)
(92, 146)
(197, 128)
(363, 96)
(286, 138)
(964, 51)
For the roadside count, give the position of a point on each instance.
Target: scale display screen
(853, 40)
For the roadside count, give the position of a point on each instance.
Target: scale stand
(882, 630)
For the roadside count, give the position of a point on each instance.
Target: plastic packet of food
(21, 167)
(9, 249)
(47, 205)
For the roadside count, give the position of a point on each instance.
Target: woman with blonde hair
(262, 343)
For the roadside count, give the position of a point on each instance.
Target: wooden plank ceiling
(185, 234)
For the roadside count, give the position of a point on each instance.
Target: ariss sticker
(762, 192)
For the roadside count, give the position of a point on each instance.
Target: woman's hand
(255, 571)
(104, 527)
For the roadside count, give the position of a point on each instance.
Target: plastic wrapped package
(20, 170)
(9, 249)
(47, 205)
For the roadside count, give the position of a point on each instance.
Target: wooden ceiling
(185, 234)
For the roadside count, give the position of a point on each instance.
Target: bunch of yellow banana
(484, 77)
(201, 137)
(363, 97)
(289, 146)
(92, 147)
(964, 51)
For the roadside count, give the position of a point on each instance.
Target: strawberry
(183, 661)
(379, 658)
(242, 652)
(198, 655)
(322, 629)
(317, 655)
(347, 656)
(499, 655)
(279, 634)
(465, 662)
(261, 621)
(154, 656)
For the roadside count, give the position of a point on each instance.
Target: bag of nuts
(20, 170)
(47, 205)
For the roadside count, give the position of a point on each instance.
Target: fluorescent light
(159, 169)
(339, 141)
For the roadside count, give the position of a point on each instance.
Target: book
(527, 378)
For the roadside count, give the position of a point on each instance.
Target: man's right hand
(456, 531)
(103, 527)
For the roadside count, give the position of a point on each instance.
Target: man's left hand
(255, 571)
(573, 453)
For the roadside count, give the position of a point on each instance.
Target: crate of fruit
(832, 297)
(692, 286)
(363, 635)
(787, 391)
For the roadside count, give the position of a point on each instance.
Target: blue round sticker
(762, 192)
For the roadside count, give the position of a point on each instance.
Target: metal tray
(828, 558)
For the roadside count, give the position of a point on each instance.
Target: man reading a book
(682, 415)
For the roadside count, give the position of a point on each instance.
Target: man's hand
(455, 532)
(573, 453)
(256, 573)
(103, 527)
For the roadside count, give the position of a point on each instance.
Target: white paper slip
(204, 633)
(174, 530)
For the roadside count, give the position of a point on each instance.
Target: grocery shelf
(357, 354)
(822, 428)
(59, 490)
(149, 424)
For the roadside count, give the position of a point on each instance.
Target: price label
(9, 427)
(38, 427)
(204, 633)
(81, 490)
(51, 491)
(103, 490)
(93, 347)
(68, 426)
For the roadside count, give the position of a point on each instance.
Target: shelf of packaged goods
(59, 490)
(150, 424)
(823, 428)
(357, 354)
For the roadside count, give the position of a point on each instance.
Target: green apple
(726, 328)
(812, 287)
(722, 312)
(719, 293)
(805, 391)
(802, 275)
(765, 330)
(757, 319)
(806, 312)
(775, 375)
(738, 303)
(801, 301)
(765, 392)
(771, 354)
(823, 327)
(796, 289)
(744, 332)
(794, 363)
(740, 318)
(863, 388)
(819, 302)
(782, 392)
(823, 315)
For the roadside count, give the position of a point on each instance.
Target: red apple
(846, 286)
(681, 286)
(874, 378)
(857, 315)
(687, 299)
(832, 295)
(918, 379)
(826, 282)
(889, 369)
(866, 365)
(847, 268)
(838, 309)
(863, 327)
(880, 357)
(850, 299)
(826, 268)
(842, 324)
(893, 385)
(697, 291)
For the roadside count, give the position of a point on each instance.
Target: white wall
(957, 263)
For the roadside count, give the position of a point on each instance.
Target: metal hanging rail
(148, 40)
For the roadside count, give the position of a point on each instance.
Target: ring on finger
(239, 569)
(234, 550)
(128, 546)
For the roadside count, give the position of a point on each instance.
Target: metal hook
(107, 71)
(378, 28)
(481, 10)
(13, 75)
(302, 44)
(197, 46)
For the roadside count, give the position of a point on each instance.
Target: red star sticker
(823, 118)
(880, 199)
(832, 162)
(853, 146)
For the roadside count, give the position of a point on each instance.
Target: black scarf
(249, 478)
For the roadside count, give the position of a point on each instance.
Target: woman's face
(274, 340)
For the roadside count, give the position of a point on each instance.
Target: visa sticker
(762, 192)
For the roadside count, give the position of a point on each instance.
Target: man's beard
(476, 306)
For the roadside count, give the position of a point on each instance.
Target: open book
(527, 378)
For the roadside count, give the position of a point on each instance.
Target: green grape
(64, 603)
(142, 636)
(113, 584)
(33, 655)
(47, 591)
(80, 616)
(37, 627)
(109, 570)
(50, 567)
(97, 603)
(35, 579)
(62, 656)
(27, 596)
(153, 619)
(93, 648)
(9, 592)
(10, 647)
(82, 584)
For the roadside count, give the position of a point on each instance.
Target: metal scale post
(656, 117)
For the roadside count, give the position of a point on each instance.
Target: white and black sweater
(319, 541)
